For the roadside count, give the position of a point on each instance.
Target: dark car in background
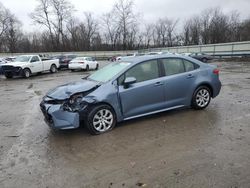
(201, 57)
(64, 60)
(2, 62)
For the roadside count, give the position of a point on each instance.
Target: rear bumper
(57, 118)
(76, 66)
(216, 89)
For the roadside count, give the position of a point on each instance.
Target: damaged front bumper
(57, 118)
(11, 70)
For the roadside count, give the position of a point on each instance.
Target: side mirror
(128, 81)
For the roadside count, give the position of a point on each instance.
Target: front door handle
(190, 76)
(158, 84)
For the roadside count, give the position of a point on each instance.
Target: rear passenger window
(173, 66)
(188, 66)
(144, 71)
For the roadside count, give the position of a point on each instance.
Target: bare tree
(218, 26)
(111, 29)
(90, 27)
(62, 10)
(5, 17)
(125, 19)
(54, 15)
(205, 22)
(13, 34)
(148, 35)
(165, 29)
(73, 32)
(234, 26)
(245, 30)
(42, 15)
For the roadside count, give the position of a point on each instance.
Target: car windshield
(108, 72)
(22, 58)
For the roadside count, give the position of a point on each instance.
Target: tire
(8, 75)
(72, 70)
(26, 73)
(97, 66)
(87, 68)
(201, 98)
(53, 69)
(204, 60)
(100, 119)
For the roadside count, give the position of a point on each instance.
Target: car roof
(138, 59)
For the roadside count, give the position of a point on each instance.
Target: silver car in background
(130, 89)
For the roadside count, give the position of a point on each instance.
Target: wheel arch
(104, 103)
(207, 85)
(54, 65)
(28, 69)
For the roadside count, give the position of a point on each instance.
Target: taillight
(81, 62)
(216, 71)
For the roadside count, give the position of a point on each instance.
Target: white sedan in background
(83, 63)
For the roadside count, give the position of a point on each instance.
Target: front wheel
(8, 75)
(100, 119)
(26, 73)
(201, 98)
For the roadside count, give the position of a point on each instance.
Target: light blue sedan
(131, 88)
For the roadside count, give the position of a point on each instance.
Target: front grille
(9, 68)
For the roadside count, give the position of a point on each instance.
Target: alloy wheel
(202, 98)
(103, 120)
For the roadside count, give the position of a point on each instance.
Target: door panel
(142, 97)
(178, 83)
(36, 65)
(147, 94)
(178, 89)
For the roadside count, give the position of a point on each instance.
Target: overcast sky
(150, 9)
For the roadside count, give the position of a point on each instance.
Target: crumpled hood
(65, 91)
(16, 64)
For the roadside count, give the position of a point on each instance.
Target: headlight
(75, 103)
(75, 99)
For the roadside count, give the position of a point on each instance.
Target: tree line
(122, 28)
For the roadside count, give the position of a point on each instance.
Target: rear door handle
(158, 84)
(190, 76)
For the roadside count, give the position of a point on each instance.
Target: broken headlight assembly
(75, 103)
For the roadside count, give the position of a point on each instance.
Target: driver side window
(34, 59)
(141, 72)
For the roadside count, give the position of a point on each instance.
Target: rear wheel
(204, 60)
(53, 69)
(97, 66)
(101, 119)
(26, 73)
(87, 68)
(201, 97)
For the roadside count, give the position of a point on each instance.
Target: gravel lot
(180, 148)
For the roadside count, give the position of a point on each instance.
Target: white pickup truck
(26, 65)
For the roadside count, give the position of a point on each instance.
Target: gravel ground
(180, 148)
